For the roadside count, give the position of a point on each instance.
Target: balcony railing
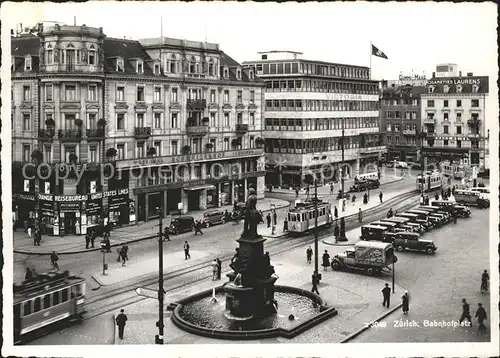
(47, 134)
(196, 130)
(430, 134)
(409, 131)
(142, 132)
(70, 134)
(196, 104)
(429, 121)
(95, 133)
(241, 128)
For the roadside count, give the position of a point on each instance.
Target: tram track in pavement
(199, 270)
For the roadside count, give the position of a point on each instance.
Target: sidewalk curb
(366, 327)
(119, 244)
(337, 244)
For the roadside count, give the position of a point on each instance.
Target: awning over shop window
(201, 187)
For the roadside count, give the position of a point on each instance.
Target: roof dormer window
(475, 88)
(139, 66)
(119, 65)
(226, 72)
(431, 89)
(459, 88)
(157, 68)
(238, 74)
(446, 89)
(27, 63)
(251, 74)
(211, 67)
(92, 56)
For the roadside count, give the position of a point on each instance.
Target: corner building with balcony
(400, 111)
(154, 123)
(309, 104)
(453, 119)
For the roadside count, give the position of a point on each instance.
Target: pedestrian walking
(92, 238)
(309, 254)
(315, 282)
(285, 225)
(123, 255)
(436, 196)
(331, 188)
(29, 231)
(448, 194)
(197, 227)
(121, 320)
(326, 260)
(336, 232)
(186, 251)
(87, 240)
(336, 212)
(386, 292)
(29, 274)
(481, 316)
(360, 215)
(454, 217)
(38, 237)
(166, 234)
(485, 277)
(214, 269)
(365, 199)
(381, 196)
(219, 268)
(390, 214)
(353, 199)
(275, 218)
(405, 298)
(53, 259)
(343, 205)
(268, 219)
(465, 312)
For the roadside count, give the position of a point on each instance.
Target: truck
(368, 256)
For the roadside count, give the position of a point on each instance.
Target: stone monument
(250, 290)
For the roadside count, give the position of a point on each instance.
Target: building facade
(400, 113)
(142, 125)
(310, 107)
(453, 118)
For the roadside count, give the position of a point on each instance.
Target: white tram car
(429, 181)
(302, 217)
(46, 299)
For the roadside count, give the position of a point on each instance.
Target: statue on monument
(253, 217)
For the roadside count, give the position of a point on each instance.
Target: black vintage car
(181, 224)
(239, 211)
(415, 244)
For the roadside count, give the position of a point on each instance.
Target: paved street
(438, 283)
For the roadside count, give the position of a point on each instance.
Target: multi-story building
(309, 104)
(156, 123)
(400, 111)
(453, 115)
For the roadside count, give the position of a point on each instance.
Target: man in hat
(386, 292)
(121, 320)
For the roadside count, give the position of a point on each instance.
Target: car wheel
(400, 248)
(207, 224)
(429, 250)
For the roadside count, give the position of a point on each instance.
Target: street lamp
(159, 324)
(103, 250)
(422, 136)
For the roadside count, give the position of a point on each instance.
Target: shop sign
(109, 193)
(413, 77)
(117, 201)
(70, 206)
(46, 207)
(249, 175)
(66, 198)
(27, 197)
(157, 161)
(458, 81)
(93, 207)
(45, 197)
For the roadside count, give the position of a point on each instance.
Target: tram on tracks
(47, 299)
(302, 217)
(429, 181)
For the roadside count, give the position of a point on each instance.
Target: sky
(414, 36)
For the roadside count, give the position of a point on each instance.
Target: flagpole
(371, 48)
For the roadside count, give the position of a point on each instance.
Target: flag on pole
(378, 53)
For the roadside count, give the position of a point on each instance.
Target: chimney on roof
(433, 74)
(470, 74)
(459, 73)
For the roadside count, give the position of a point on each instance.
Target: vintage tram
(302, 218)
(47, 299)
(429, 181)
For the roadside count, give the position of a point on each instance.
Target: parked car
(239, 211)
(469, 197)
(373, 232)
(181, 224)
(213, 217)
(363, 185)
(415, 244)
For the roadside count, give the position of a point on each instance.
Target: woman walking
(406, 302)
(326, 260)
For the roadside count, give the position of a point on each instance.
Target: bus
(485, 191)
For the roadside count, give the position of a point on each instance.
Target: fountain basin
(196, 314)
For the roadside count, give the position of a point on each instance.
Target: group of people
(122, 254)
(480, 314)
